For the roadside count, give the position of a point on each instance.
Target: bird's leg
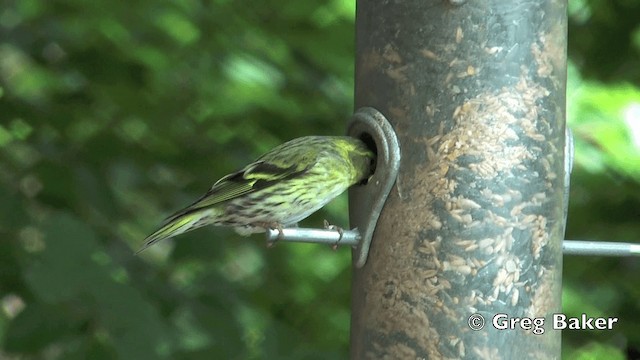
(272, 225)
(336, 228)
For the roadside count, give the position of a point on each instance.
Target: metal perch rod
(352, 237)
(320, 236)
(600, 248)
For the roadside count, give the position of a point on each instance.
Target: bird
(277, 190)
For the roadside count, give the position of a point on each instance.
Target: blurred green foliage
(114, 114)
(603, 110)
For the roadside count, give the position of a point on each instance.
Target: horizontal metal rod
(352, 237)
(599, 248)
(321, 236)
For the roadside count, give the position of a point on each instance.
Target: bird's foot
(336, 228)
(275, 226)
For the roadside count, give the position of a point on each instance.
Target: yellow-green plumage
(279, 189)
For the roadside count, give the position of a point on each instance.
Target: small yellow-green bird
(279, 189)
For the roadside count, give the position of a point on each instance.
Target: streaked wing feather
(256, 176)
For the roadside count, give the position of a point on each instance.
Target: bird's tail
(176, 225)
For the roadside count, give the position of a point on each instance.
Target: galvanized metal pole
(473, 226)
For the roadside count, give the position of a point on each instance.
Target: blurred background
(115, 114)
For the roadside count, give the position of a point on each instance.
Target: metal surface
(352, 238)
(319, 236)
(599, 248)
(568, 167)
(474, 224)
(366, 201)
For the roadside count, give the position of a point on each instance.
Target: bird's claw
(336, 228)
(276, 226)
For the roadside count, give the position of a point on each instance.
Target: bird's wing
(258, 175)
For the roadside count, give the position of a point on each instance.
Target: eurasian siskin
(280, 188)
